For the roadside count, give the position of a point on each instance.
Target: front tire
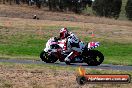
(43, 56)
(48, 58)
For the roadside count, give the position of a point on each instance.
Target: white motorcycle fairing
(52, 41)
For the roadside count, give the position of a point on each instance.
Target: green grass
(114, 52)
(117, 53)
(29, 47)
(27, 44)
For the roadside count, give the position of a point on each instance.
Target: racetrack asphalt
(102, 66)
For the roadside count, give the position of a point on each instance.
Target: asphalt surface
(102, 66)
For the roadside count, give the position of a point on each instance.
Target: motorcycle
(54, 51)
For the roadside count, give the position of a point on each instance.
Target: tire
(95, 58)
(43, 56)
(81, 80)
(67, 62)
(100, 56)
(48, 58)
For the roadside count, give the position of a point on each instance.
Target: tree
(18, 2)
(128, 9)
(38, 3)
(10, 2)
(107, 8)
(116, 8)
(3, 1)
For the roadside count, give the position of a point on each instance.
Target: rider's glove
(56, 38)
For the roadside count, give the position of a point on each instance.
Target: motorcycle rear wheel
(67, 62)
(94, 58)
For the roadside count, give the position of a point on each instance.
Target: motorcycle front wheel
(48, 58)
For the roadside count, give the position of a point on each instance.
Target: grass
(26, 40)
(122, 13)
(116, 53)
(63, 68)
(33, 74)
(29, 43)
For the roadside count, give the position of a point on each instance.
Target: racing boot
(71, 56)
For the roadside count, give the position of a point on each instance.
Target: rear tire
(67, 62)
(95, 58)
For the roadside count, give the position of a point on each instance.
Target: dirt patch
(83, 30)
(102, 28)
(43, 78)
(19, 77)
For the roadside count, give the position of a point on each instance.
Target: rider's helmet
(64, 33)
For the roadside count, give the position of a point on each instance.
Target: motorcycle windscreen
(93, 44)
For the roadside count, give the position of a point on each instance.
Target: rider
(72, 44)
